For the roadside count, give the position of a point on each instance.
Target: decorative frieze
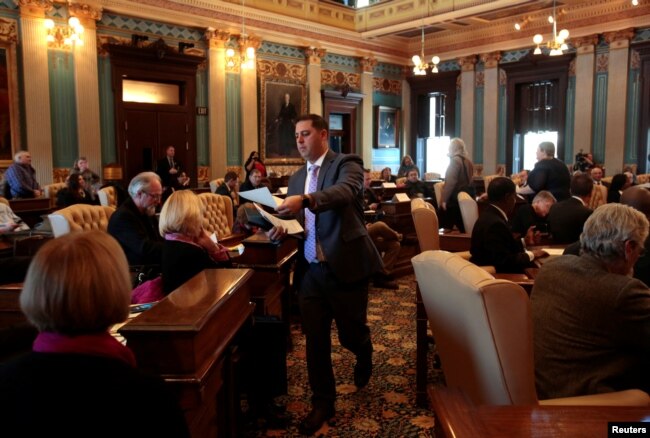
(388, 86)
(491, 60)
(467, 63)
(85, 12)
(619, 39)
(368, 64)
(280, 70)
(8, 33)
(314, 55)
(339, 78)
(585, 44)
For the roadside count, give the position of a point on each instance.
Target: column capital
(491, 59)
(467, 63)
(585, 44)
(368, 64)
(8, 32)
(619, 39)
(87, 14)
(314, 55)
(216, 38)
(246, 41)
(34, 8)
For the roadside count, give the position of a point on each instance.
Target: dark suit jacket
(137, 234)
(163, 168)
(181, 261)
(566, 219)
(552, 175)
(224, 191)
(339, 217)
(493, 244)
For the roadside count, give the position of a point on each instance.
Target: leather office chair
(80, 217)
(431, 175)
(425, 220)
(4, 201)
(215, 183)
(488, 179)
(598, 197)
(437, 189)
(484, 335)
(468, 211)
(51, 190)
(107, 196)
(217, 216)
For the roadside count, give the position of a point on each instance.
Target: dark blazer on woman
(182, 261)
(65, 197)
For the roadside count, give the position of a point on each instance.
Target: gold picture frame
(9, 105)
(387, 127)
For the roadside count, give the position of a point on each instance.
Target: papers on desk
(389, 185)
(554, 251)
(235, 251)
(283, 190)
(262, 196)
(292, 226)
(525, 190)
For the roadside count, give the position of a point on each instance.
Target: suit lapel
(327, 161)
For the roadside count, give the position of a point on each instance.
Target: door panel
(141, 145)
(173, 131)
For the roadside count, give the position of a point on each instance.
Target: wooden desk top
(459, 418)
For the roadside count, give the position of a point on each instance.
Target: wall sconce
(231, 59)
(68, 35)
(521, 23)
(247, 53)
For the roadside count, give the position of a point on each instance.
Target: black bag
(142, 273)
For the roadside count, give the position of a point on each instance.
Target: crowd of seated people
(75, 192)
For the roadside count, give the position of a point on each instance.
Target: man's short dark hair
(581, 185)
(317, 121)
(230, 176)
(500, 188)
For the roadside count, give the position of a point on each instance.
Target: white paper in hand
(262, 196)
(292, 226)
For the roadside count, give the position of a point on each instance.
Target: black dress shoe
(315, 420)
(363, 370)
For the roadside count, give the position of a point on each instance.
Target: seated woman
(619, 183)
(78, 377)
(75, 193)
(241, 225)
(416, 188)
(387, 176)
(406, 165)
(188, 248)
(93, 183)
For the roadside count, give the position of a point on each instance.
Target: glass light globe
(537, 39)
(551, 19)
(517, 26)
(250, 52)
(73, 21)
(537, 51)
(416, 60)
(435, 60)
(49, 23)
(564, 34)
(230, 52)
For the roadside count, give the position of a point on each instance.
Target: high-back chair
(488, 179)
(437, 190)
(217, 217)
(4, 201)
(51, 190)
(598, 196)
(215, 183)
(107, 196)
(425, 220)
(468, 211)
(80, 217)
(484, 334)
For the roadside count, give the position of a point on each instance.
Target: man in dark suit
(550, 173)
(253, 182)
(337, 260)
(170, 172)
(566, 218)
(229, 187)
(492, 240)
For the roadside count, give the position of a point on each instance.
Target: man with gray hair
(21, 178)
(133, 223)
(550, 173)
(591, 319)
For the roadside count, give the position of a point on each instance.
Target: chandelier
(421, 66)
(246, 57)
(68, 35)
(557, 45)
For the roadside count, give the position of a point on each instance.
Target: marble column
(367, 66)
(584, 98)
(249, 101)
(467, 78)
(38, 125)
(617, 75)
(490, 111)
(314, 57)
(217, 101)
(87, 86)
(406, 115)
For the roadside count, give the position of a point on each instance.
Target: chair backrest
(488, 179)
(51, 190)
(482, 327)
(426, 224)
(468, 211)
(428, 176)
(400, 181)
(598, 196)
(217, 217)
(4, 201)
(80, 217)
(215, 183)
(107, 196)
(437, 190)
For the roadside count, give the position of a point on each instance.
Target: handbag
(147, 292)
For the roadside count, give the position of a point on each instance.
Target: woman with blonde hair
(188, 247)
(76, 288)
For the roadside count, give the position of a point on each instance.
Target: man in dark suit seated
(550, 173)
(416, 188)
(229, 188)
(133, 224)
(591, 320)
(253, 182)
(492, 240)
(533, 215)
(567, 217)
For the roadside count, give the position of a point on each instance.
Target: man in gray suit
(337, 260)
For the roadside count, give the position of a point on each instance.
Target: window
(437, 142)
(150, 92)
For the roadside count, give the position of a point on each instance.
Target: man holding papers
(337, 260)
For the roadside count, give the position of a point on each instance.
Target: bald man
(638, 198)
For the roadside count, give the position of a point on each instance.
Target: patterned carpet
(386, 407)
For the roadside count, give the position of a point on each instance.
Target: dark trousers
(324, 298)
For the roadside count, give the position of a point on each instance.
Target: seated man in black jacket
(229, 188)
(133, 224)
(416, 188)
(566, 218)
(492, 240)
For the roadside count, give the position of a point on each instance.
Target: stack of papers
(263, 196)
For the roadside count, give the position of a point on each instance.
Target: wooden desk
(187, 339)
(10, 313)
(459, 418)
(455, 242)
(30, 210)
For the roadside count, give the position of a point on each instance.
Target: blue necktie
(310, 218)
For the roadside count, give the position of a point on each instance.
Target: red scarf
(98, 344)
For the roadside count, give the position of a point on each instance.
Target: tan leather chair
(400, 181)
(107, 196)
(80, 217)
(468, 211)
(425, 220)
(217, 216)
(51, 190)
(437, 190)
(643, 178)
(4, 200)
(598, 197)
(488, 179)
(431, 175)
(483, 331)
(215, 183)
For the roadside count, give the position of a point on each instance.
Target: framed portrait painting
(387, 127)
(9, 113)
(281, 104)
